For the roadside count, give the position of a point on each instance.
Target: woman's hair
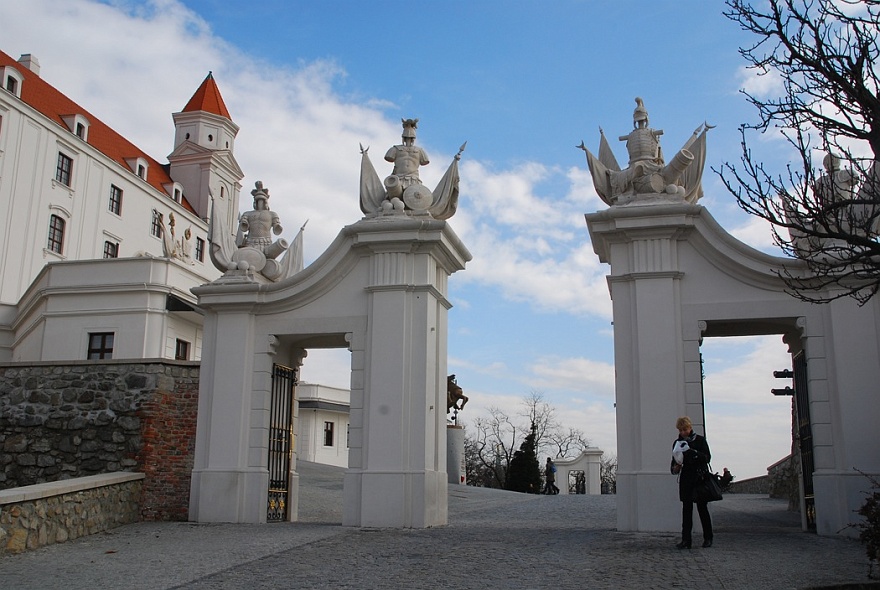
(683, 423)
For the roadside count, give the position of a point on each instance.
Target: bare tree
(825, 52)
(567, 443)
(491, 443)
(608, 474)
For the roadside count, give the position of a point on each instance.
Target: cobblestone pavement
(494, 539)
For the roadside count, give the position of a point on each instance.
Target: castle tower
(202, 160)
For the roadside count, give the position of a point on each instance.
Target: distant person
(550, 477)
(690, 456)
(726, 478)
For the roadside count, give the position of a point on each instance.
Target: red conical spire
(207, 98)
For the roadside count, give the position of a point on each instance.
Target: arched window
(56, 234)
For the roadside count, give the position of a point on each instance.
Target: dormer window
(78, 125)
(12, 80)
(139, 166)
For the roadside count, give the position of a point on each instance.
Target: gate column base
(395, 499)
(237, 496)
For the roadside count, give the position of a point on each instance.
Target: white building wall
(314, 400)
(29, 195)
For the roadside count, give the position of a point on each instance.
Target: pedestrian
(550, 477)
(690, 458)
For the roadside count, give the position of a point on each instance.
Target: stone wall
(70, 420)
(752, 485)
(785, 482)
(45, 514)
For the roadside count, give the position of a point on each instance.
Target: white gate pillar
(641, 245)
(398, 476)
(229, 481)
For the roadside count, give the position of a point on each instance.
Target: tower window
(56, 234)
(100, 345)
(111, 250)
(63, 169)
(181, 350)
(328, 434)
(156, 224)
(115, 199)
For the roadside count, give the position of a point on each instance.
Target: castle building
(100, 243)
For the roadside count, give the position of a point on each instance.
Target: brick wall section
(81, 418)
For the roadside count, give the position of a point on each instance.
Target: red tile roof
(53, 104)
(207, 98)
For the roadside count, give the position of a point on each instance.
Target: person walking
(690, 458)
(550, 477)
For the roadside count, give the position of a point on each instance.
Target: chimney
(30, 62)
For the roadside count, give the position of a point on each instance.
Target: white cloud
(760, 84)
(573, 374)
(758, 233)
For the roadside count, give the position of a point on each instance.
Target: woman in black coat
(694, 461)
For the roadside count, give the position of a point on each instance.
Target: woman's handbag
(708, 487)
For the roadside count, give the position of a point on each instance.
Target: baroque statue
(173, 247)
(253, 249)
(647, 175)
(455, 397)
(402, 192)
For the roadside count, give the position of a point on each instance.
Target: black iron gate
(280, 441)
(805, 435)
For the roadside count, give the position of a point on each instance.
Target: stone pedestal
(455, 467)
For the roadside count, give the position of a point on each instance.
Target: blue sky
(523, 83)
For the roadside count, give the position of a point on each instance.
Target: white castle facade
(101, 243)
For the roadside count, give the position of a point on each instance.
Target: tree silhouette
(824, 53)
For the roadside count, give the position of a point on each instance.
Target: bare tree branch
(825, 52)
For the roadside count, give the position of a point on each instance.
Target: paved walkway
(494, 539)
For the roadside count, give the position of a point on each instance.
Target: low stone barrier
(46, 513)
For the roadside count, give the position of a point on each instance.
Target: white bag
(678, 451)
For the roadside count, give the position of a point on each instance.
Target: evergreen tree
(525, 473)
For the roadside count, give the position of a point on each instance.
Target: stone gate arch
(379, 290)
(675, 277)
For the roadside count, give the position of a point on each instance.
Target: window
(80, 130)
(63, 169)
(347, 435)
(200, 249)
(328, 434)
(56, 234)
(115, 199)
(156, 225)
(111, 250)
(177, 195)
(181, 350)
(100, 345)
(142, 171)
(12, 85)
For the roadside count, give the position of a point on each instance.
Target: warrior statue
(253, 250)
(647, 175)
(403, 193)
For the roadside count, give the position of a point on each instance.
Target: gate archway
(380, 290)
(676, 276)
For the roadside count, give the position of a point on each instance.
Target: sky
(523, 82)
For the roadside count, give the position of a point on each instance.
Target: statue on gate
(403, 193)
(647, 176)
(454, 395)
(253, 250)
